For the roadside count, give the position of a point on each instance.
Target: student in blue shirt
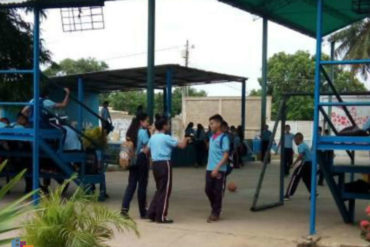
(161, 146)
(45, 105)
(138, 133)
(217, 167)
(106, 121)
(302, 167)
(288, 149)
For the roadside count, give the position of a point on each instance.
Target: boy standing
(217, 167)
(302, 167)
(288, 149)
(265, 139)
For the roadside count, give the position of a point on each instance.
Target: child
(138, 174)
(160, 146)
(217, 166)
(288, 149)
(106, 121)
(302, 167)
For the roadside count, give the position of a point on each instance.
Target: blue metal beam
(15, 103)
(169, 78)
(346, 62)
(151, 59)
(364, 147)
(243, 106)
(80, 108)
(36, 108)
(16, 71)
(316, 117)
(345, 139)
(345, 103)
(264, 72)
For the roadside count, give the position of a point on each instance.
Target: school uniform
(138, 175)
(303, 171)
(161, 146)
(288, 152)
(265, 139)
(215, 186)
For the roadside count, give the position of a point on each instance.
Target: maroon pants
(215, 188)
(162, 172)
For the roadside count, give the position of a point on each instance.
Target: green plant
(10, 212)
(75, 222)
(95, 139)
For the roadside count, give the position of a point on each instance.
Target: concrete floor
(280, 227)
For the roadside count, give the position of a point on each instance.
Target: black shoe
(144, 217)
(166, 221)
(124, 213)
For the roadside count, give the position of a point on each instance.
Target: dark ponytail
(133, 130)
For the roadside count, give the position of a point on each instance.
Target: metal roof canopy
(300, 15)
(136, 78)
(46, 4)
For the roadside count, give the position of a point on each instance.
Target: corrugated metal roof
(136, 78)
(300, 15)
(50, 3)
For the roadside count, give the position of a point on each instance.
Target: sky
(223, 39)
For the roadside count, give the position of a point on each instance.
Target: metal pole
(81, 99)
(243, 106)
(332, 53)
(316, 118)
(36, 102)
(264, 73)
(282, 148)
(151, 59)
(169, 75)
(165, 100)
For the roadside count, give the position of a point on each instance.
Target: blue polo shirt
(142, 139)
(266, 135)
(161, 146)
(305, 151)
(71, 141)
(46, 103)
(288, 140)
(217, 149)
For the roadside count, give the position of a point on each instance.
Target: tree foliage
(354, 43)
(129, 101)
(16, 52)
(69, 67)
(295, 73)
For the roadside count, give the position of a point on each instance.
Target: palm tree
(10, 212)
(354, 44)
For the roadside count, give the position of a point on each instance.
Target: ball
(231, 187)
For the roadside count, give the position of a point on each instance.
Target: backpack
(230, 162)
(127, 157)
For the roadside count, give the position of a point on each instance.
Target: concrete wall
(198, 110)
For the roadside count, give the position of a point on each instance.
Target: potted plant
(11, 211)
(79, 221)
(365, 226)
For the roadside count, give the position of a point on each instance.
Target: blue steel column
(316, 117)
(151, 55)
(81, 99)
(169, 92)
(264, 72)
(36, 106)
(165, 100)
(243, 106)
